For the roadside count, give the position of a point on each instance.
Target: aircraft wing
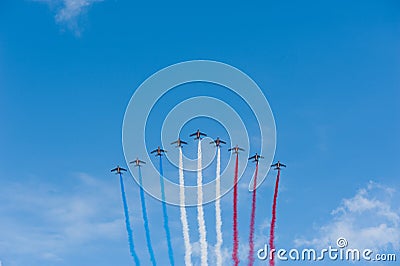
(115, 169)
(175, 142)
(153, 151)
(222, 141)
(123, 169)
(203, 134)
(240, 149)
(183, 142)
(194, 134)
(252, 157)
(284, 165)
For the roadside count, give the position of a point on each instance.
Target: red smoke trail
(235, 256)
(273, 220)
(252, 221)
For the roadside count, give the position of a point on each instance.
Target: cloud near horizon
(48, 223)
(370, 219)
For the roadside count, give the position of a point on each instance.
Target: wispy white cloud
(68, 12)
(46, 222)
(260, 239)
(212, 256)
(370, 219)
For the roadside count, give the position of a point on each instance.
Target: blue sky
(68, 69)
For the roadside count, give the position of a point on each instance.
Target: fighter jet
(179, 142)
(278, 165)
(118, 170)
(198, 134)
(159, 151)
(236, 149)
(137, 162)
(218, 142)
(256, 157)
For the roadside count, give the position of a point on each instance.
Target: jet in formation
(218, 142)
(236, 149)
(278, 165)
(256, 157)
(198, 134)
(118, 170)
(159, 151)
(179, 142)
(138, 162)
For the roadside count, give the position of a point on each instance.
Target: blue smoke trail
(127, 223)
(146, 220)
(164, 207)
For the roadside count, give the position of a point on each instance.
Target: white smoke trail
(200, 213)
(185, 226)
(218, 220)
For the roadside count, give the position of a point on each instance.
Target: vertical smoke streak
(165, 214)
(218, 220)
(200, 213)
(146, 220)
(127, 222)
(185, 226)
(273, 220)
(235, 252)
(252, 220)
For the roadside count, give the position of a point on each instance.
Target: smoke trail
(235, 251)
(273, 220)
(200, 213)
(127, 223)
(146, 220)
(252, 220)
(218, 220)
(185, 226)
(164, 208)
